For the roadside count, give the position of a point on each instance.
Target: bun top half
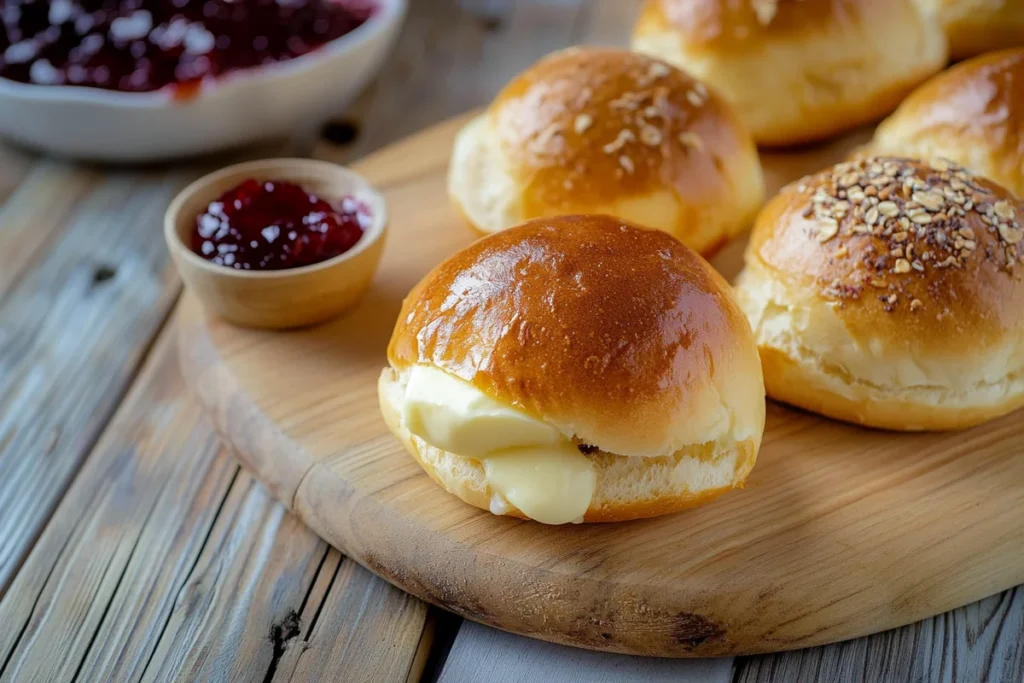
(972, 114)
(926, 259)
(595, 121)
(621, 337)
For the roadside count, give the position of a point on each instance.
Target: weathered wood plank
(164, 562)
(131, 524)
(240, 603)
(72, 332)
(35, 214)
(609, 22)
(982, 643)
(14, 166)
(452, 57)
(486, 654)
(361, 626)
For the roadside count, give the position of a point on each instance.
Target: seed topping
(916, 217)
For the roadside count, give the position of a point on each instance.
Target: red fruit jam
(273, 225)
(143, 45)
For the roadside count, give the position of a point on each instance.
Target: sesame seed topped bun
(590, 130)
(622, 340)
(890, 293)
(972, 114)
(798, 70)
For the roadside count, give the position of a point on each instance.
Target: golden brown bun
(609, 131)
(620, 337)
(976, 26)
(891, 294)
(972, 114)
(798, 70)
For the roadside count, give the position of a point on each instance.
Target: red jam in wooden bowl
(272, 225)
(144, 45)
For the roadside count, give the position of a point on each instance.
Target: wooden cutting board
(840, 532)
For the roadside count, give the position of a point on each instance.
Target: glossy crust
(977, 26)
(620, 337)
(627, 488)
(972, 114)
(890, 293)
(590, 130)
(798, 70)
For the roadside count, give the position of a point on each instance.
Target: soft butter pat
(553, 485)
(529, 462)
(454, 416)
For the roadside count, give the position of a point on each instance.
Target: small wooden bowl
(278, 299)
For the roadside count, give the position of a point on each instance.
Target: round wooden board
(840, 532)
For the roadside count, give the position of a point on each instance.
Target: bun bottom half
(810, 360)
(792, 382)
(627, 487)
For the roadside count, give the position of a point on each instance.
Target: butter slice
(551, 485)
(455, 416)
(526, 460)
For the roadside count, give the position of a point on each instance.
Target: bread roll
(976, 26)
(608, 131)
(798, 71)
(972, 114)
(890, 293)
(612, 355)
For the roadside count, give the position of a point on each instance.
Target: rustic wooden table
(132, 547)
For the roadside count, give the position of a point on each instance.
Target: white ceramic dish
(237, 108)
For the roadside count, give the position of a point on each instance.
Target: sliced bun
(890, 293)
(972, 114)
(621, 338)
(798, 71)
(590, 130)
(627, 488)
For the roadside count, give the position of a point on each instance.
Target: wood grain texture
(72, 332)
(164, 562)
(982, 643)
(95, 592)
(361, 626)
(36, 213)
(485, 654)
(453, 56)
(850, 531)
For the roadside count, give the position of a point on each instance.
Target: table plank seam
(87, 449)
(113, 595)
(283, 633)
(195, 563)
(39, 595)
(330, 584)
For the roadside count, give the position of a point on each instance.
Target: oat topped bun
(610, 357)
(590, 130)
(798, 70)
(890, 293)
(972, 114)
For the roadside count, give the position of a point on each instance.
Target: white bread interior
(809, 358)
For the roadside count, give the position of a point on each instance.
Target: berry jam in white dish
(144, 45)
(179, 104)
